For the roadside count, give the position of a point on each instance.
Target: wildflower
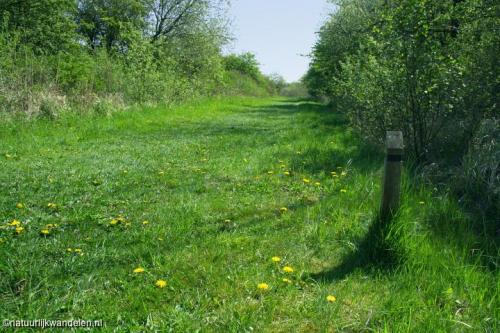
(286, 280)
(283, 210)
(79, 251)
(343, 190)
(19, 230)
(139, 270)
(15, 223)
(113, 222)
(20, 205)
(317, 183)
(287, 173)
(161, 283)
(263, 286)
(45, 232)
(307, 181)
(276, 259)
(51, 205)
(69, 249)
(288, 269)
(145, 222)
(331, 298)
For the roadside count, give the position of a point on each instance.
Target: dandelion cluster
(161, 283)
(120, 219)
(263, 286)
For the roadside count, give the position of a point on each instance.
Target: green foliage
(111, 24)
(44, 25)
(425, 67)
(245, 63)
(86, 51)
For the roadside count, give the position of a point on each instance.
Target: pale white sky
(280, 32)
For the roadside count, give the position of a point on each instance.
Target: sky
(279, 32)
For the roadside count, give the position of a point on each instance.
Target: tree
(112, 24)
(47, 26)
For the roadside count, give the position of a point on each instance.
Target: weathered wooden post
(391, 186)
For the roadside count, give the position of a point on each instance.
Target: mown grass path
(223, 185)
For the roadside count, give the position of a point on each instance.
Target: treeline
(102, 54)
(429, 68)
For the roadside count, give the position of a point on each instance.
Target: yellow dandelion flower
(283, 209)
(161, 283)
(139, 270)
(331, 298)
(276, 259)
(20, 205)
(69, 249)
(287, 173)
(317, 183)
(51, 205)
(145, 222)
(343, 190)
(15, 223)
(45, 232)
(113, 222)
(288, 269)
(19, 230)
(78, 250)
(307, 181)
(263, 286)
(286, 280)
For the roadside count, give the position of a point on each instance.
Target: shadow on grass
(323, 121)
(375, 252)
(463, 232)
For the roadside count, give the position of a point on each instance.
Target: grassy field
(203, 196)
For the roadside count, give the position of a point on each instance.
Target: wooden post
(391, 186)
